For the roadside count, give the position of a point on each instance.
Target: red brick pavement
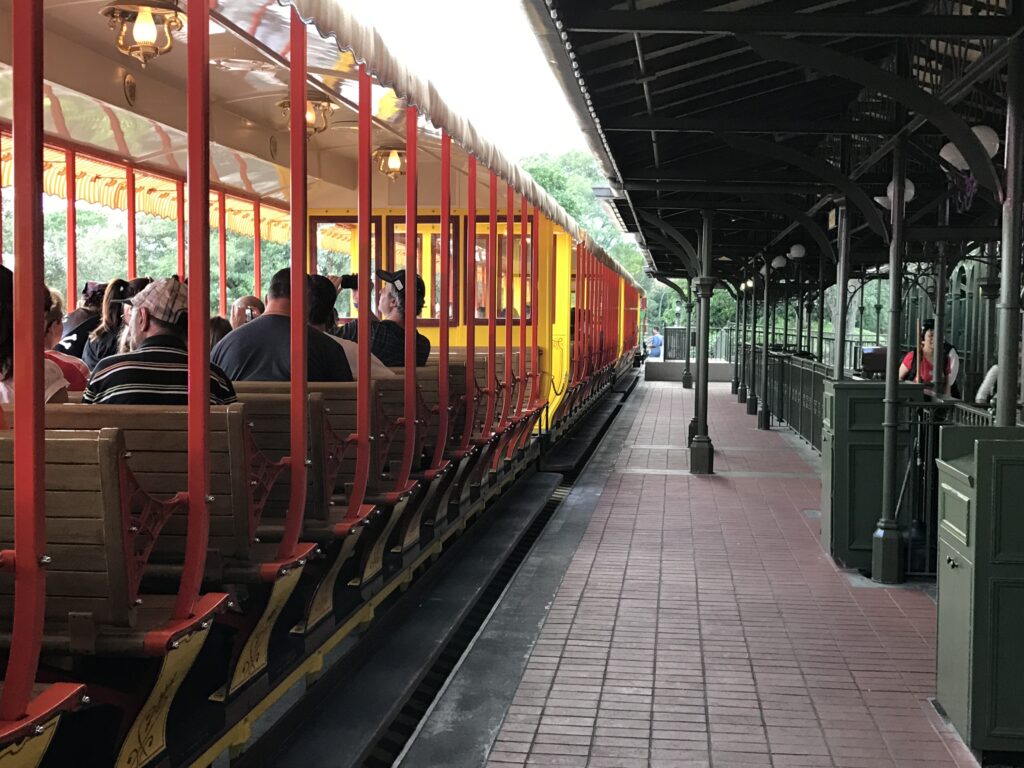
(701, 624)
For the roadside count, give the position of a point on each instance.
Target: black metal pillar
(819, 353)
(785, 316)
(687, 347)
(752, 393)
(842, 283)
(764, 416)
(887, 546)
(939, 366)
(702, 451)
(878, 310)
(741, 393)
(736, 344)
(1009, 288)
(799, 310)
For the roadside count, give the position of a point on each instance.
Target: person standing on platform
(655, 344)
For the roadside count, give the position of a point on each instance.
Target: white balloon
(779, 262)
(951, 154)
(988, 137)
(797, 251)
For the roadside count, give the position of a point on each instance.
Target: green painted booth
(851, 464)
(980, 682)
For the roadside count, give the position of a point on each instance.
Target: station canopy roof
(750, 108)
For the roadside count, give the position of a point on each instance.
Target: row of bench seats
(117, 521)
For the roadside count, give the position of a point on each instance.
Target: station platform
(667, 619)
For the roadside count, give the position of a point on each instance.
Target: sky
(483, 58)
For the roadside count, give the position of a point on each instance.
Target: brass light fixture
(139, 24)
(318, 113)
(390, 161)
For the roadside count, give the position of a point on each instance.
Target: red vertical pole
(492, 304)
(364, 214)
(222, 254)
(257, 248)
(534, 309)
(71, 194)
(510, 220)
(523, 211)
(133, 271)
(198, 168)
(180, 200)
(29, 443)
(411, 264)
(445, 301)
(467, 429)
(297, 144)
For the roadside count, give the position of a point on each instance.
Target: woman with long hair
(54, 383)
(103, 341)
(74, 370)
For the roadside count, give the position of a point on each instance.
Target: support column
(702, 451)
(736, 344)
(842, 283)
(878, 309)
(741, 393)
(764, 414)
(752, 393)
(799, 311)
(687, 376)
(1009, 287)
(887, 547)
(785, 317)
(820, 350)
(939, 366)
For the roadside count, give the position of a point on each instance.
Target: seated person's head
(279, 292)
(320, 301)
(219, 328)
(391, 305)
(92, 296)
(245, 309)
(54, 323)
(159, 309)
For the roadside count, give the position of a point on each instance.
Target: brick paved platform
(699, 622)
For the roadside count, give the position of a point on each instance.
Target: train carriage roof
(104, 103)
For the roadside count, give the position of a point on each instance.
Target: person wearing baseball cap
(387, 339)
(155, 371)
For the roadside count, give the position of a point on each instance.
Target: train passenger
(245, 309)
(324, 317)
(260, 350)
(155, 371)
(387, 333)
(83, 320)
(219, 328)
(926, 348)
(107, 339)
(55, 386)
(75, 371)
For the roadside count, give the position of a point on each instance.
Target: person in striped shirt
(155, 371)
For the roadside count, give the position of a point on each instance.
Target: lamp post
(687, 375)
(764, 416)
(741, 392)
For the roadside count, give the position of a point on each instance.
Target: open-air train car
(168, 570)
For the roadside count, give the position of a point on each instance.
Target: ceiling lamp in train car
(390, 161)
(140, 26)
(797, 251)
(318, 113)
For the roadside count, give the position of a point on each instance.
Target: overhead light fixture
(318, 112)
(779, 262)
(390, 161)
(989, 139)
(909, 193)
(750, 282)
(797, 251)
(139, 24)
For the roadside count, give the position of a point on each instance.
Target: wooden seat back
(156, 438)
(87, 528)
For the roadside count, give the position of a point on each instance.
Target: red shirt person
(918, 365)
